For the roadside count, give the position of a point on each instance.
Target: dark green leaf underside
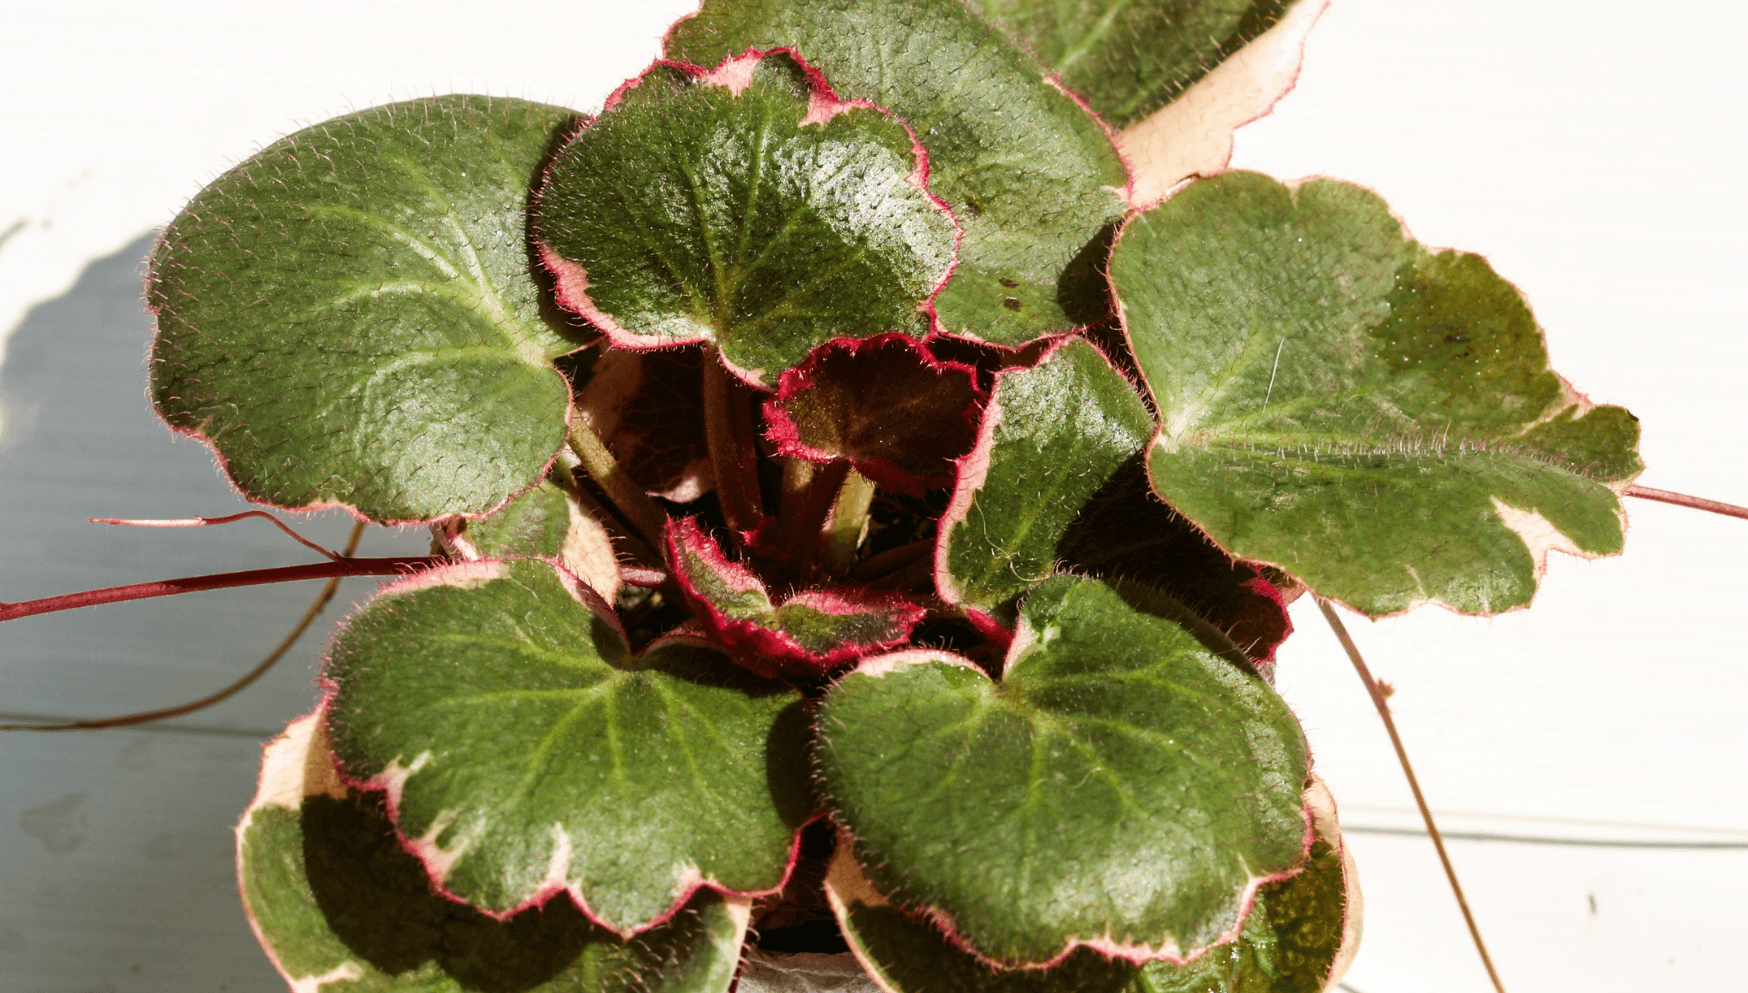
(1128, 59)
(333, 894)
(1374, 417)
(649, 409)
(1063, 427)
(700, 214)
(349, 316)
(1030, 176)
(1020, 809)
(542, 752)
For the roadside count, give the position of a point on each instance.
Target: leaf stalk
(1683, 500)
(628, 498)
(147, 717)
(847, 521)
(1383, 708)
(392, 566)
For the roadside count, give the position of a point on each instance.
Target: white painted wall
(1592, 150)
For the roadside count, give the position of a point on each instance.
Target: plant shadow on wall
(845, 530)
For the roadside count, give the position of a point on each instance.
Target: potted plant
(842, 519)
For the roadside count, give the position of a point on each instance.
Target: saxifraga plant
(865, 505)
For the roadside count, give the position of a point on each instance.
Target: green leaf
(534, 525)
(1129, 59)
(1029, 174)
(527, 750)
(1376, 418)
(1018, 811)
(745, 209)
(546, 522)
(1296, 938)
(807, 634)
(1124, 532)
(339, 905)
(349, 316)
(1050, 438)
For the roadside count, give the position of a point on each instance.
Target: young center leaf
(1128, 59)
(806, 634)
(899, 415)
(1030, 175)
(526, 751)
(340, 906)
(1376, 418)
(1297, 937)
(1122, 786)
(349, 317)
(1050, 438)
(748, 208)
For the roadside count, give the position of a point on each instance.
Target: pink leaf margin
(846, 880)
(222, 463)
(769, 651)
(971, 471)
(783, 432)
(392, 780)
(846, 883)
(1540, 547)
(571, 280)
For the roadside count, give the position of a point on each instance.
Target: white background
(1592, 150)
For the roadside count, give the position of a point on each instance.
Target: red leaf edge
(571, 281)
(971, 470)
(391, 781)
(768, 651)
(783, 432)
(1167, 951)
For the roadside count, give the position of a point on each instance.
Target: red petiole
(393, 566)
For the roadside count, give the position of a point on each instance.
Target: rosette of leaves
(857, 521)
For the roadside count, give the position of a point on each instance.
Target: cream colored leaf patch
(1192, 135)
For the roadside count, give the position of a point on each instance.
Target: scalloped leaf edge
(771, 651)
(392, 779)
(971, 471)
(1538, 535)
(845, 869)
(571, 281)
(222, 464)
(297, 764)
(846, 882)
(782, 431)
